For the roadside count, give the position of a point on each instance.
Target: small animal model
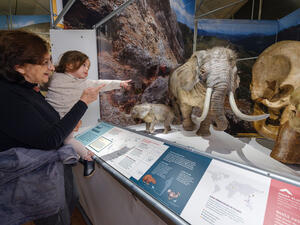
(153, 114)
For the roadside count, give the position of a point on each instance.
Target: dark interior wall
(271, 9)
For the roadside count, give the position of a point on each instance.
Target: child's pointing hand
(125, 84)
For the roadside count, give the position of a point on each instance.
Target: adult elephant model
(207, 77)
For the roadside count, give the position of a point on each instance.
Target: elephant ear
(201, 58)
(192, 70)
(144, 110)
(200, 55)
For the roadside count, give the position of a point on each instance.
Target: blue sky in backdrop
(248, 27)
(185, 10)
(22, 21)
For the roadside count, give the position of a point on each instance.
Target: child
(66, 86)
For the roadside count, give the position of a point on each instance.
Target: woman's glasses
(48, 63)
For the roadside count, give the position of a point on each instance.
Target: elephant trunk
(217, 106)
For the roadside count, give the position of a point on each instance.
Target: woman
(26, 119)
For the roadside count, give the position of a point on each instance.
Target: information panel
(173, 177)
(283, 206)
(199, 189)
(228, 195)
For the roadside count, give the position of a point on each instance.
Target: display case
(180, 177)
(185, 184)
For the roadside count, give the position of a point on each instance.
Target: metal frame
(195, 36)
(249, 58)
(51, 14)
(252, 9)
(10, 16)
(62, 13)
(71, 2)
(112, 14)
(260, 9)
(196, 25)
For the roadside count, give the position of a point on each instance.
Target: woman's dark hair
(18, 48)
(74, 58)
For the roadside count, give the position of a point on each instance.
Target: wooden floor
(77, 219)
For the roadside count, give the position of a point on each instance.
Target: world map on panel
(225, 183)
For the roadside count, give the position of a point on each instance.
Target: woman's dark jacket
(27, 120)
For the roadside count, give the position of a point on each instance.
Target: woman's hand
(91, 94)
(78, 126)
(125, 84)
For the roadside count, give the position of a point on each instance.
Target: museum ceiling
(272, 9)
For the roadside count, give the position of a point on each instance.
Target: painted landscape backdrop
(150, 38)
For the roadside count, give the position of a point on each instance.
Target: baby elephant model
(207, 77)
(153, 114)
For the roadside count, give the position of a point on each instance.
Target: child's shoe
(88, 167)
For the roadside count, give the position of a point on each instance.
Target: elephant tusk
(206, 106)
(241, 115)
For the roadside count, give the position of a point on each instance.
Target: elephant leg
(204, 127)
(187, 122)
(176, 109)
(167, 126)
(152, 126)
(148, 127)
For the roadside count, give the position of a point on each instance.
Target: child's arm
(109, 84)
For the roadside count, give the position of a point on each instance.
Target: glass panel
(24, 7)
(142, 43)
(30, 15)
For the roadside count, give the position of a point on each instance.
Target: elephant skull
(275, 75)
(287, 145)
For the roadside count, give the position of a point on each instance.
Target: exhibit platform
(251, 151)
(181, 178)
